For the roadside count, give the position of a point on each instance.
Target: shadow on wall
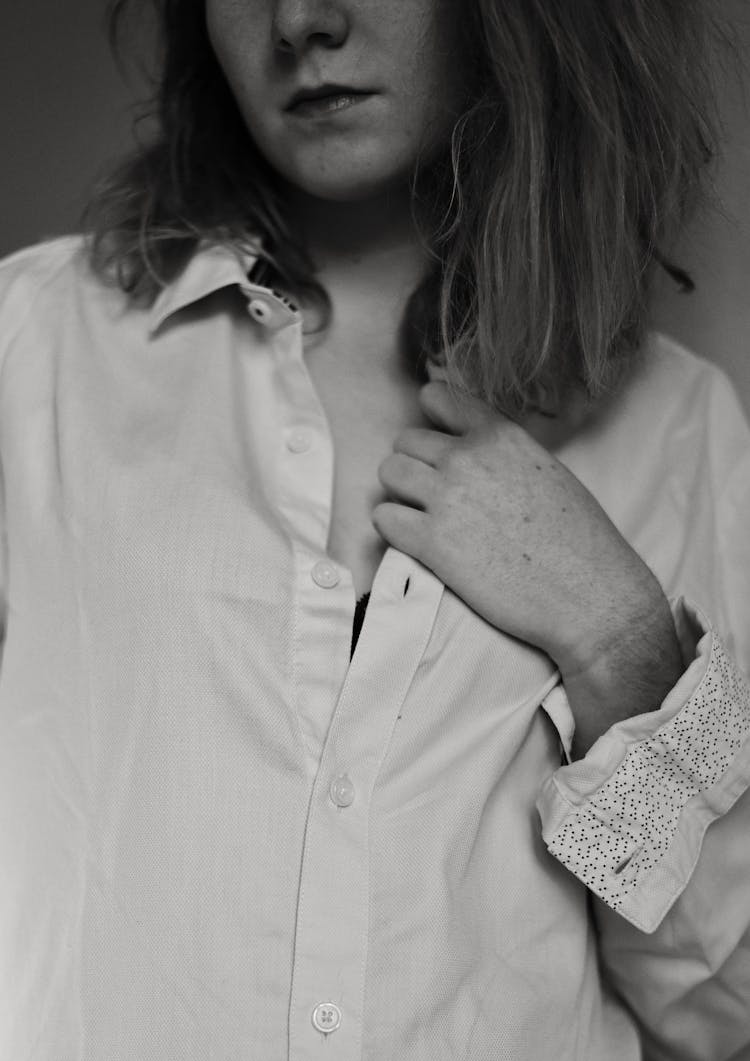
(715, 320)
(65, 115)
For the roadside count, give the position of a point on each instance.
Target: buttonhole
(623, 865)
(406, 585)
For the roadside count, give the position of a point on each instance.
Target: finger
(424, 445)
(406, 479)
(438, 404)
(402, 527)
(456, 414)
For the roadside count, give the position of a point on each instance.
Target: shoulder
(47, 291)
(675, 379)
(692, 407)
(680, 370)
(44, 270)
(671, 440)
(668, 458)
(34, 268)
(674, 403)
(32, 275)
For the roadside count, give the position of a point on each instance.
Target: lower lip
(328, 106)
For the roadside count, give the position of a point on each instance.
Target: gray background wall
(65, 114)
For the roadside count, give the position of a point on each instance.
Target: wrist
(621, 624)
(629, 670)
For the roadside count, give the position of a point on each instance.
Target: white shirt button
(260, 311)
(299, 440)
(325, 575)
(326, 1017)
(341, 791)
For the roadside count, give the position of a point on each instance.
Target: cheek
(432, 105)
(220, 23)
(235, 32)
(433, 81)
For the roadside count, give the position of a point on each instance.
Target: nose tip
(300, 24)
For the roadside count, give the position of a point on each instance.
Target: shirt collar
(211, 267)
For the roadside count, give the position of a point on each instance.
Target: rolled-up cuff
(629, 818)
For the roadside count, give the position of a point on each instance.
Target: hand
(512, 532)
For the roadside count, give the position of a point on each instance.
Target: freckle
(527, 519)
(527, 557)
(538, 467)
(564, 508)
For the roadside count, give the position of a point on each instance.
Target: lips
(326, 92)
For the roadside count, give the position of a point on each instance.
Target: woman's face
(387, 75)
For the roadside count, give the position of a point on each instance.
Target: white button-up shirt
(223, 840)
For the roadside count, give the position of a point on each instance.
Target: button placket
(322, 591)
(330, 950)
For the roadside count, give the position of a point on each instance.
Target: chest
(366, 411)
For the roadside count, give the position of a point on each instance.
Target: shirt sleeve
(629, 819)
(655, 821)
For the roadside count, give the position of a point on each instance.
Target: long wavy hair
(582, 150)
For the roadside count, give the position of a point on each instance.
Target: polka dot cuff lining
(634, 841)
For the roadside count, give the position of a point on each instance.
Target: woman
(238, 826)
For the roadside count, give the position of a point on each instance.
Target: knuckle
(494, 432)
(456, 462)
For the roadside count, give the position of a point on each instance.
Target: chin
(344, 188)
(341, 191)
(347, 180)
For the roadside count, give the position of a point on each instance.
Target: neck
(368, 247)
